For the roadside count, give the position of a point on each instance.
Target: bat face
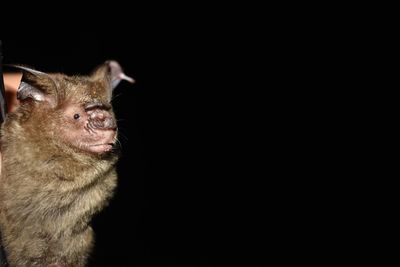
(73, 111)
(88, 125)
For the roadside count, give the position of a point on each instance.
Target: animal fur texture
(58, 165)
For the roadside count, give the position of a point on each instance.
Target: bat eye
(76, 116)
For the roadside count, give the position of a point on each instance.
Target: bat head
(71, 111)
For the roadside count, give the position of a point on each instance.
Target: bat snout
(102, 120)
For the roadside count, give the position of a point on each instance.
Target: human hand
(11, 83)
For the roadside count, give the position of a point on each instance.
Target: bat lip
(101, 144)
(101, 148)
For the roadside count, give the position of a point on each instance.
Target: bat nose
(109, 123)
(102, 120)
(98, 116)
(106, 124)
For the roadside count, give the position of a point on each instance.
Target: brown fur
(50, 189)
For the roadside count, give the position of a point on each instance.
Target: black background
(217, 134)
(187, 192)
(164, 212)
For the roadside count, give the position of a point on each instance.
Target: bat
(3, 108)
(58, 165)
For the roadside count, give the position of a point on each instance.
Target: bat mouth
(101, 148)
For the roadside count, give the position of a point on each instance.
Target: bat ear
(112, 71)
(33, 84)
(26, 91)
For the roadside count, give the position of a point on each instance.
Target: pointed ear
(33, 85)
(112, 71)
(25, 91)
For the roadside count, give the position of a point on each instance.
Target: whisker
(115, 96)
(123, 135)
(118, 142)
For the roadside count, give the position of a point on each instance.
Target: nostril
(97, 115)
(109, 123)
(106, 124)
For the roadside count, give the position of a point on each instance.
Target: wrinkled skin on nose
(90, 128)
(101, 129)
(101, 120)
